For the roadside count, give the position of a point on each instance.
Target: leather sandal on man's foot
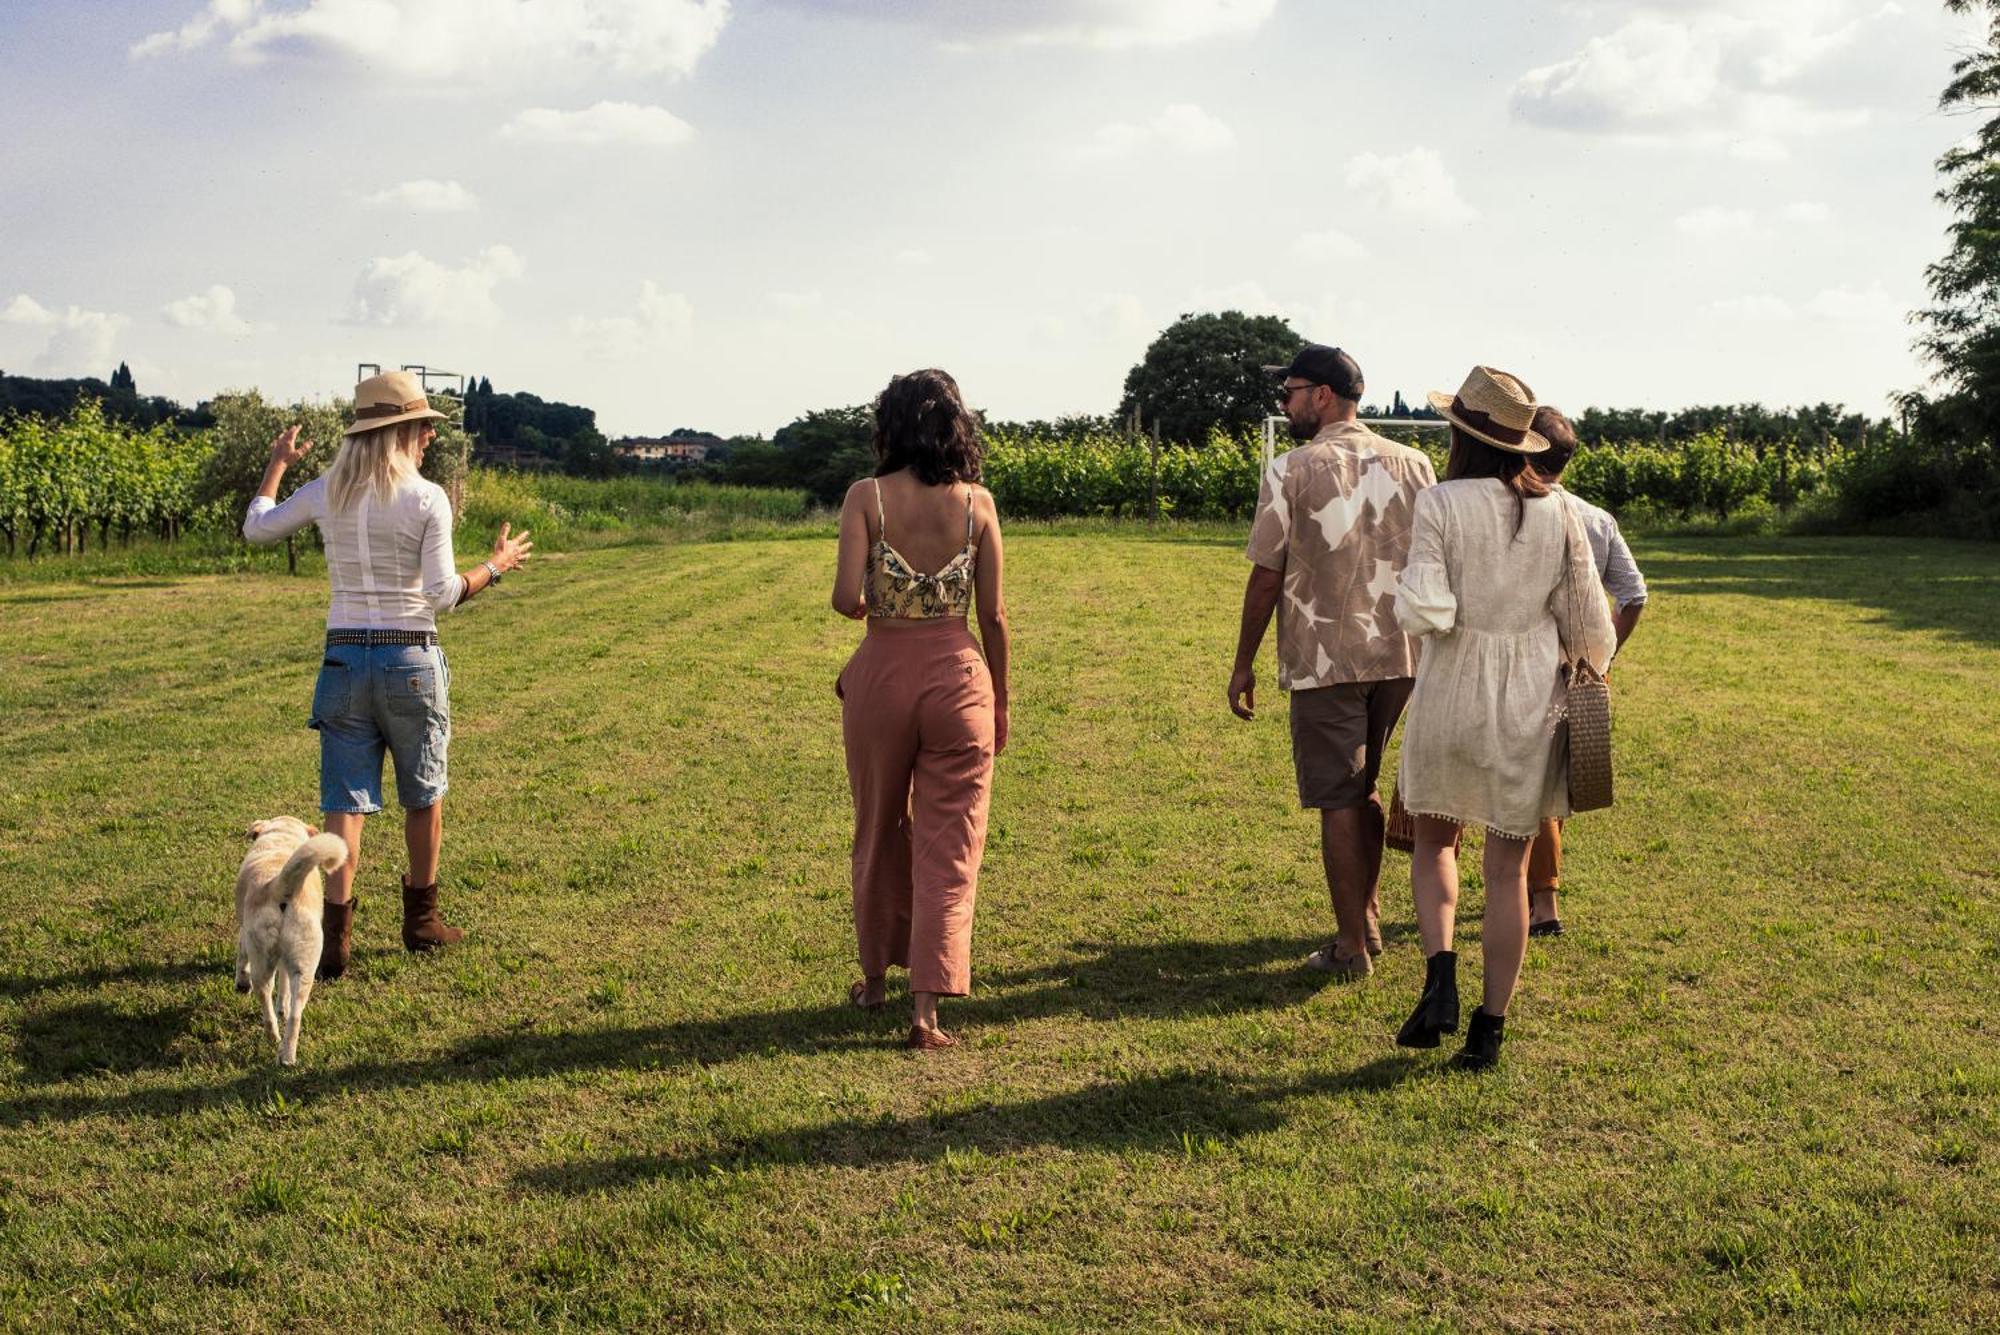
(923, 1039)
(857, 996)
(1328, 959)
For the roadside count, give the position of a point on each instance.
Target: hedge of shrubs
(1709, 478)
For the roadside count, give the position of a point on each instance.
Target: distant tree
(828, 450)
(1204, 372)
(1958, 432)
(589, 454)
(122, 381)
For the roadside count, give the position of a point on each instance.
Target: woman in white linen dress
(1488, 589)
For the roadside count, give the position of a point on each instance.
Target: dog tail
(322, 852)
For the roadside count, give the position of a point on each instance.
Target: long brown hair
(1473, 457)
(922, 424)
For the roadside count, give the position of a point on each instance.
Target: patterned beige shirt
(1334, 515)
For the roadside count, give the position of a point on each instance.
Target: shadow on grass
(95, 1039)
(1914, 583)
(1104, 982)
(1190, 1113)
(16, 987)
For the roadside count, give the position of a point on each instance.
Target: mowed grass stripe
(1755, 1084)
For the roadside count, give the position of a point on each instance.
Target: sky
(721, 214)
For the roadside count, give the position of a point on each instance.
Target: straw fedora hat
(388, 399)
(1494, 407)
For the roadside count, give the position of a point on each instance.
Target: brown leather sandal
(856, 997)
(928, 1040)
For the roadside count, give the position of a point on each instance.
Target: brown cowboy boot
(423, 929)
(337, 926)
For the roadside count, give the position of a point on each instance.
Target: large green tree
(1958, 429)
(1205, 372)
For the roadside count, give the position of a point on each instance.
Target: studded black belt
(425, 638)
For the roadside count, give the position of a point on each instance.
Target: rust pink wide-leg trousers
(917, 717)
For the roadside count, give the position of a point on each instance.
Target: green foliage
(1120, 475)
(1710, 478)
(61, 479)
(1205, 373)
(560, 510)
(822, 453)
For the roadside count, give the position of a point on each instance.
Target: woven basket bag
(1586, 729)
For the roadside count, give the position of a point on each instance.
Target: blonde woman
(383, 681)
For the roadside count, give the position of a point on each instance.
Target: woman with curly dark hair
(923, 709)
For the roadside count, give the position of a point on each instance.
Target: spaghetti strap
(968, 519)
(881, 520)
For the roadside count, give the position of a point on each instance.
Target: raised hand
(285, 449)
(511, 552)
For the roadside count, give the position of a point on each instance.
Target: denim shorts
(372, 698)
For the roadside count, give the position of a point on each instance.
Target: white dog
(279, 906)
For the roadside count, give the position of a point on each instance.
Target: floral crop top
(896, 590)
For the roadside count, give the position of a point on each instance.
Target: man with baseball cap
(1331, 534)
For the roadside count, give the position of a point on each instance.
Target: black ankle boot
(1482, 1042)
(1437, 1008)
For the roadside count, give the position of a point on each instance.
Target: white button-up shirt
(389, 561)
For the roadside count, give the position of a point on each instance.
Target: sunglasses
(1285, 392)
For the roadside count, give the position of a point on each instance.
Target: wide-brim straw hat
(387, 400)
(1495, 407)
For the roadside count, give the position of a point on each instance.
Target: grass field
(1757, 1084)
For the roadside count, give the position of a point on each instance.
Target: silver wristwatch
(492, 570)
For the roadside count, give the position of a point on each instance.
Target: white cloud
(1713, 222)
(1758, 308)
(212, 311)
(1852, 308)
(1248, 297)
(1105, 24)
(80, 341)
(461, 39)
(217, 16)
(1734, 77)
(424, 196)
(1807, 213)
(1329, 246)
(663, 318)
(413, 290)
(915, 257)
(1182, 127)
(1414, 184)
(795, 303)
(1847, 306)
(605, 123)
(1109, 317)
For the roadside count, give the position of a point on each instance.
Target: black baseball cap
(1325, 366)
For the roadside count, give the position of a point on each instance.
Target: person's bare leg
(346, 824)
(423, 836)
(1375, 828)
(1434, 883)
(923, 1010)
(1545, 874)
(1343, 853)
(1504, 938)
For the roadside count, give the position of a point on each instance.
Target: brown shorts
(1338, 735)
